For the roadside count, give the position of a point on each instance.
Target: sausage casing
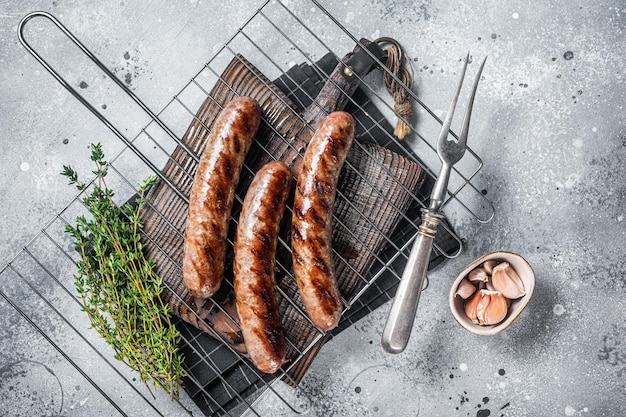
(311, 229)
(255, 247)
(213, 193)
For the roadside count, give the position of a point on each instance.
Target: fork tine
(445, 128)
(470, 104)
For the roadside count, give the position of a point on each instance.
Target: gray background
(549, 124)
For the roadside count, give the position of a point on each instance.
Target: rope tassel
(397, 63)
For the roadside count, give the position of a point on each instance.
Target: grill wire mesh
(219, 380)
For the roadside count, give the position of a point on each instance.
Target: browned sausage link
(311, 230)
(255, 248)
(213, 193)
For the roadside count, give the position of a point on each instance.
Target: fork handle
(402, 314)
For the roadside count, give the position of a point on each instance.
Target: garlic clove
(505, 280)
(478, 275)
(481, 306)
(495, 311)
(465, 289)
(489, 265)
(471, 306)
(486, 307)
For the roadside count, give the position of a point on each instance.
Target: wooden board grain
(375, 190)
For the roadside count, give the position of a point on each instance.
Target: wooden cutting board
(376, 188)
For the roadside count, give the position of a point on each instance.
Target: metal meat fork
(400, 321)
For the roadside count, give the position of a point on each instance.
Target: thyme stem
(120, 292)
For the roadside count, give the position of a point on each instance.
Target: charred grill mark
(275, 198)
(326, 299)
(228, 165)
(265, 295)
(298, 212)
(333, 146)
(236, 139)
(295, 233)
(272, 337)
(220, 202)
(321, 264)
(263, 260)
(316, 216)
(275, 338)
(245, 122)
(216, 227)
(322, 188)
(263, 241)
(209, 251)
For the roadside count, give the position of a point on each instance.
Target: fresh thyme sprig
(120, 292)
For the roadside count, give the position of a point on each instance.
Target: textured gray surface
(549, 124)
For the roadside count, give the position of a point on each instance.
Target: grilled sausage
(213, 193)
(255, 246)
(311, 229)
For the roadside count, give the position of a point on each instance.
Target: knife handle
(402, 314)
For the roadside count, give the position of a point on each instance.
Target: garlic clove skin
(496, 309)
(486, 307)
(482, 305)
(478, 275)
(471, 306)
(465, 289)
(505, 280)
(490, 264)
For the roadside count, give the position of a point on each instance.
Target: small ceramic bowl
(525, 272)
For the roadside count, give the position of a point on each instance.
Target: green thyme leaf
(120, 292)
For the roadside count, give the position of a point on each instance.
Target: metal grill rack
(220, 381)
